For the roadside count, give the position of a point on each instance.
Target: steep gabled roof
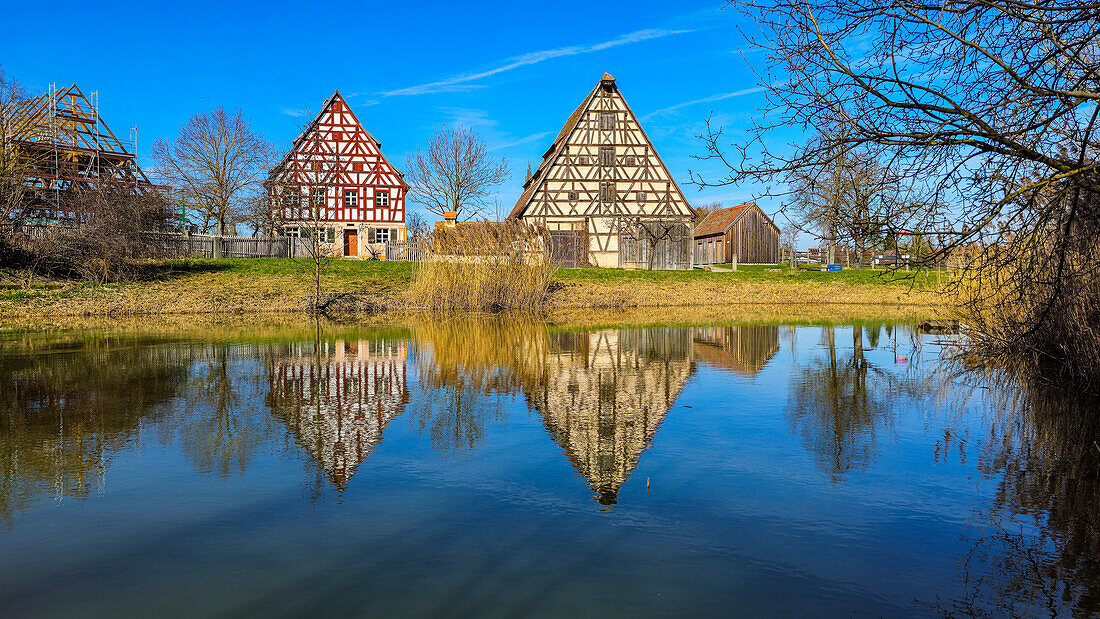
(336, 96)
(719, 221)
(549, 158)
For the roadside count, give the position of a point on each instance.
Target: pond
(507, 467)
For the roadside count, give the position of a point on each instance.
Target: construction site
(63, 148)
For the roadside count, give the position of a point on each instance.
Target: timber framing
(602, 177)
(64, 147)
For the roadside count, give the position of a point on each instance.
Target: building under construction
(63, 148)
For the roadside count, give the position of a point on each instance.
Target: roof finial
(607, 78)
(528, 179)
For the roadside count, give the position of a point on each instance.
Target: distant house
(743, 232)
(603, 194)
(335, 183)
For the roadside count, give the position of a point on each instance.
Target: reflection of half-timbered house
(743, 349)
(337, 399)
(603, 395)
(335, 183)
(603, 193)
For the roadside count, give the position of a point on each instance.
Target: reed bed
(482, 266)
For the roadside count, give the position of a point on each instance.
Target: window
(607, 192)
(351, 197)
(573, 196)
(607, 121)
(641, 196)
(607, 156)
(379, 235)
(630, 160)
(318, 196)
(291, 231)
(582, 160)
(325, 235)
(382, 197)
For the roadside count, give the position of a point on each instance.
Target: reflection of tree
(214, 433)
(1042, 555)
(743, 349)
(603, 394)
(67, 406)
(464, 367)
(337, 398)
(841, 405)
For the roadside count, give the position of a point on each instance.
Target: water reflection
(841, 402)
(1039, 547)
(66, 407)
(603, 395)
(337, 397)
(853, 412)
(742, 350)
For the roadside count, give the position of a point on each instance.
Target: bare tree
(415, 225)
(703, 210)
(454, 173)
(12, 182)
(789, 244)
(986, 111)
(216, 161)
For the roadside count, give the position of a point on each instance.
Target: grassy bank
(260, 286)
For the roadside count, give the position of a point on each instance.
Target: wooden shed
(741, 231)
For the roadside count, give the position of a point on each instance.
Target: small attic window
(607, 121)
(573, 196)
(582, 160)
(630, 160)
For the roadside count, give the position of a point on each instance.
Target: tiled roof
(717, 222)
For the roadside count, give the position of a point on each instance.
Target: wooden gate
(569, 248)
(656, 245)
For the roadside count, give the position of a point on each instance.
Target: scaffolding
(65, 147)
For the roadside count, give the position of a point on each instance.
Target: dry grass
(482, 266)
(226, 288)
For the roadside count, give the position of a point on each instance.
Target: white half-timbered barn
(336, 183)
(603, 193)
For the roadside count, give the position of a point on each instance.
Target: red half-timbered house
(335, 183)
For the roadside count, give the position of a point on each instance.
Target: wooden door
(351, 242)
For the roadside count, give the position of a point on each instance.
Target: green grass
(754, 273)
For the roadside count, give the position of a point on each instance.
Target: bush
(103, 237)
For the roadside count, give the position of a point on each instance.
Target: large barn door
(569, 248)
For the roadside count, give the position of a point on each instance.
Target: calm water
(513, 469)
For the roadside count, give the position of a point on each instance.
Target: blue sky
(512, 71)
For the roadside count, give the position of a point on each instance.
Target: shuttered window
(573, 196)
(641, 196)
(607, 156)
(607, 121)
(607, 192)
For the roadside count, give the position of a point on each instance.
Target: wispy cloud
(295, 113)
(728, 95)
(463, 81)
(524, 140)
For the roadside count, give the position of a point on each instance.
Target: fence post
(218, 251)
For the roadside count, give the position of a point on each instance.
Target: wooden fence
(213, 246)
(404, 252)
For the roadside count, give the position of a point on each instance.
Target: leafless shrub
(111, 233)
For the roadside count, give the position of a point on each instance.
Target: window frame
(381, 198)
(607, 120)
(353, 194)
(607, 156)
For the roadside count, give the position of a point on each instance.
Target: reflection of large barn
(338, 399)
(605, 393)
(743, 349)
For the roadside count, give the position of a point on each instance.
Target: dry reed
(484, 266)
